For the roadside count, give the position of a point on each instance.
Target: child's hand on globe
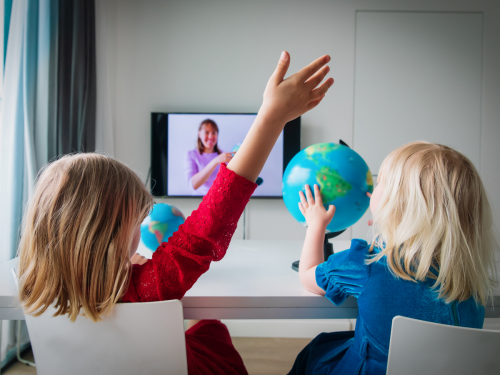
(313, 210)
(289, 98)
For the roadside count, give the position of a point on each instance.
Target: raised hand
(289, 98)
(284, 100)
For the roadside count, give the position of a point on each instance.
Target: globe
(342, 176)
(163, 220)
(235, 149)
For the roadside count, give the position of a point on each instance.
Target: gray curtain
(76, 79)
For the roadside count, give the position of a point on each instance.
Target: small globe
(163, 220)
(235, 149)
(342, 176)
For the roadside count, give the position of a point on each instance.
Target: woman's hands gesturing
(223, 157)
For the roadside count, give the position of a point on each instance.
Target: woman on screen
(202, 164)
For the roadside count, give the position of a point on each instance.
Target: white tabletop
(253, 281)
(9, 305)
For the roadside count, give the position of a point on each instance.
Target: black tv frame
(159, 162)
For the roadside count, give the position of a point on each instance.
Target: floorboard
(262, 356)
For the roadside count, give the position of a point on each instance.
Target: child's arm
(317, 218)
(206, 234)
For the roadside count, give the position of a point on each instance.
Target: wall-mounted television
(185, 144)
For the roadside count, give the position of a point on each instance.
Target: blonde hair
(435, 222)
(77, 232)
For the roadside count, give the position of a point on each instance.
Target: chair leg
(1, 323)
(28, 363)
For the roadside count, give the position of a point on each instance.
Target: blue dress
(381, 296)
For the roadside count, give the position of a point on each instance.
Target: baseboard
(296, 328)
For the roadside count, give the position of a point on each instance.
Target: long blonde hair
(77, 232)
(434, 221)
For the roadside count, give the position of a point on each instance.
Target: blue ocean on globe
(163, 220)
(342, 176)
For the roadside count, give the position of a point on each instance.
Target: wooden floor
(269, 356)
(17, 368)
(262, 356)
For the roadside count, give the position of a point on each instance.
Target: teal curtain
(48, 106)
(18, 162)
(6, 25)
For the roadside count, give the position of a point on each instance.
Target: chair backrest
(137, 338)
(419, 347)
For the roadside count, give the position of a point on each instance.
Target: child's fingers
(304, 74)
(318, 77)
(368, 194)
(303, 200)
(314, 103)
(317, 195)
(281, 69)
(302, 210)
(310, 198)
(321, 90)
(331, 211)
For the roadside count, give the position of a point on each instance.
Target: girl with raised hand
(82, 227)
(432, 258)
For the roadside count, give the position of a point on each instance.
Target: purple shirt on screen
(194, 163)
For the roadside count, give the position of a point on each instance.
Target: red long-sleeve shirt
(178, 263)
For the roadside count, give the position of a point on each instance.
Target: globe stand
(327, 248)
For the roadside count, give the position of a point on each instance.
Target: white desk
(253, 281)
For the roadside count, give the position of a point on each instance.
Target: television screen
(187, 148)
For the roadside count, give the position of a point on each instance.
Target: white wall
(210, 56)
(216, 56)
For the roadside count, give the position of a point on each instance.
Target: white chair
(418, 347)
(137, 338)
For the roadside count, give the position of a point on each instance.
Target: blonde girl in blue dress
(432, 258)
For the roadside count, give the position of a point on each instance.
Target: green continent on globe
(320, 150)
(156, 226)
(369, 180)
(332, 185)
(158, 229)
